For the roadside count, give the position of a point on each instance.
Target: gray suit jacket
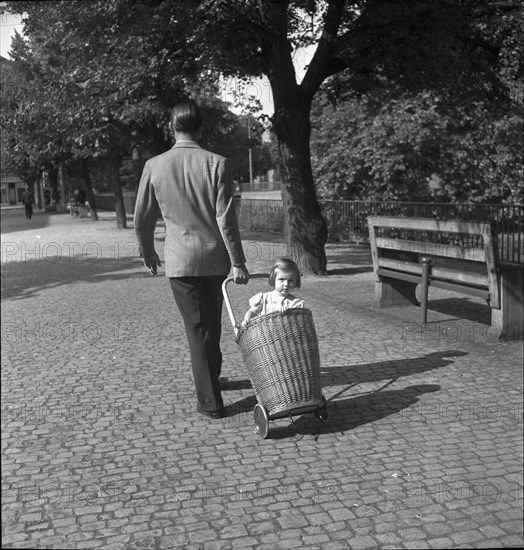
(192, 189)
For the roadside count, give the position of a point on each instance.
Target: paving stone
(102, 446)
(442, 542)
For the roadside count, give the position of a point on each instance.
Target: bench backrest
(486, 255)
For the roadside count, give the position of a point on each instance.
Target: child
(284, 278)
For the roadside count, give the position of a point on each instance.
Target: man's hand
(152, 263)
(240, 275)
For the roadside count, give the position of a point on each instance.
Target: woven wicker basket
(280, 351)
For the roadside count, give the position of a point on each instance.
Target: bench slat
(472, 291)
(437, 272)
(447, 285)
(401, 276)
(443, 250)
(400, 265)
(430, 224)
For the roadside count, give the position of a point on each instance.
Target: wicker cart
(280, 351)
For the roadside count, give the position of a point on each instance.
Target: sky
(8, 24)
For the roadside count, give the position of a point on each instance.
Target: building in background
(11, 189)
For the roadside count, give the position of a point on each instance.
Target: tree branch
(316, 72)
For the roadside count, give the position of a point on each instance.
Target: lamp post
(250, 153)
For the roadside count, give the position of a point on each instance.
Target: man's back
(195, 195)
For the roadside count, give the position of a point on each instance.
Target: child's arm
(250, 313)
(255, 308)
(290, 303)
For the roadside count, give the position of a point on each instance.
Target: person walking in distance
(193, 190)
(28, 201)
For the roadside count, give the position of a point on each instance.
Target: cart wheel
(322, 412)
(261, 421)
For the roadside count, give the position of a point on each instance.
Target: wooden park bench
(400, 264)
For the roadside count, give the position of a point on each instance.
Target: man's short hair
(186, 117)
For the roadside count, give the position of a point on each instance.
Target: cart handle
(228, 304)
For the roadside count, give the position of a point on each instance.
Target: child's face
(285, 282)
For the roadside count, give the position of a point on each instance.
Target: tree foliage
(412, 77)
(97, 79)
(396, 129)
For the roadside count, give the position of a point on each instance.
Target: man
(192, 189)
(28, 200)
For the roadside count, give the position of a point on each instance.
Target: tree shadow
(29, 278)
(368, 407)
(13, 220)
(462, 308)
(349, 254)
(349, 270)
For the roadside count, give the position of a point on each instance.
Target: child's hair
(286, 265)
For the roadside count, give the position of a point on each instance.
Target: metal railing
(346, 220)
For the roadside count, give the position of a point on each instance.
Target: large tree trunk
(62, 185)
(38, 184)
(89, 189)
(53, 180)
(304, 225)
(120, 210)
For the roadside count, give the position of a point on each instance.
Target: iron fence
(346, 220)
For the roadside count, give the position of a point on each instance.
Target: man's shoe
(219, 413)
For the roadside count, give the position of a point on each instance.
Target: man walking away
(28, 200)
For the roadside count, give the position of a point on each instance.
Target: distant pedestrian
(284, 278)
(192, 189)
(28, 201)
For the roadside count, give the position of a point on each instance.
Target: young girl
(284, 278)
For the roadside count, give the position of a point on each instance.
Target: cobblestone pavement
(103, 448)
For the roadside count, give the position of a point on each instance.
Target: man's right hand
(240, 275)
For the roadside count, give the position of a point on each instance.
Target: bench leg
(508, 320)
(426, 267)
(393, 292)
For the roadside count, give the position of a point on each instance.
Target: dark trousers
(28, 211)
(200, 300)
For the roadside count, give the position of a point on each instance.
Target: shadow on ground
(463, 308)
(348, 414)
(391, 371)
(349, 270)
(368, 407)
(28, 279)
(15, 220)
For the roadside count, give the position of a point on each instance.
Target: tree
(110, 66)
(147, 52)
(374, 139)
(116, 69)
(28, 147)
(416, 45)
